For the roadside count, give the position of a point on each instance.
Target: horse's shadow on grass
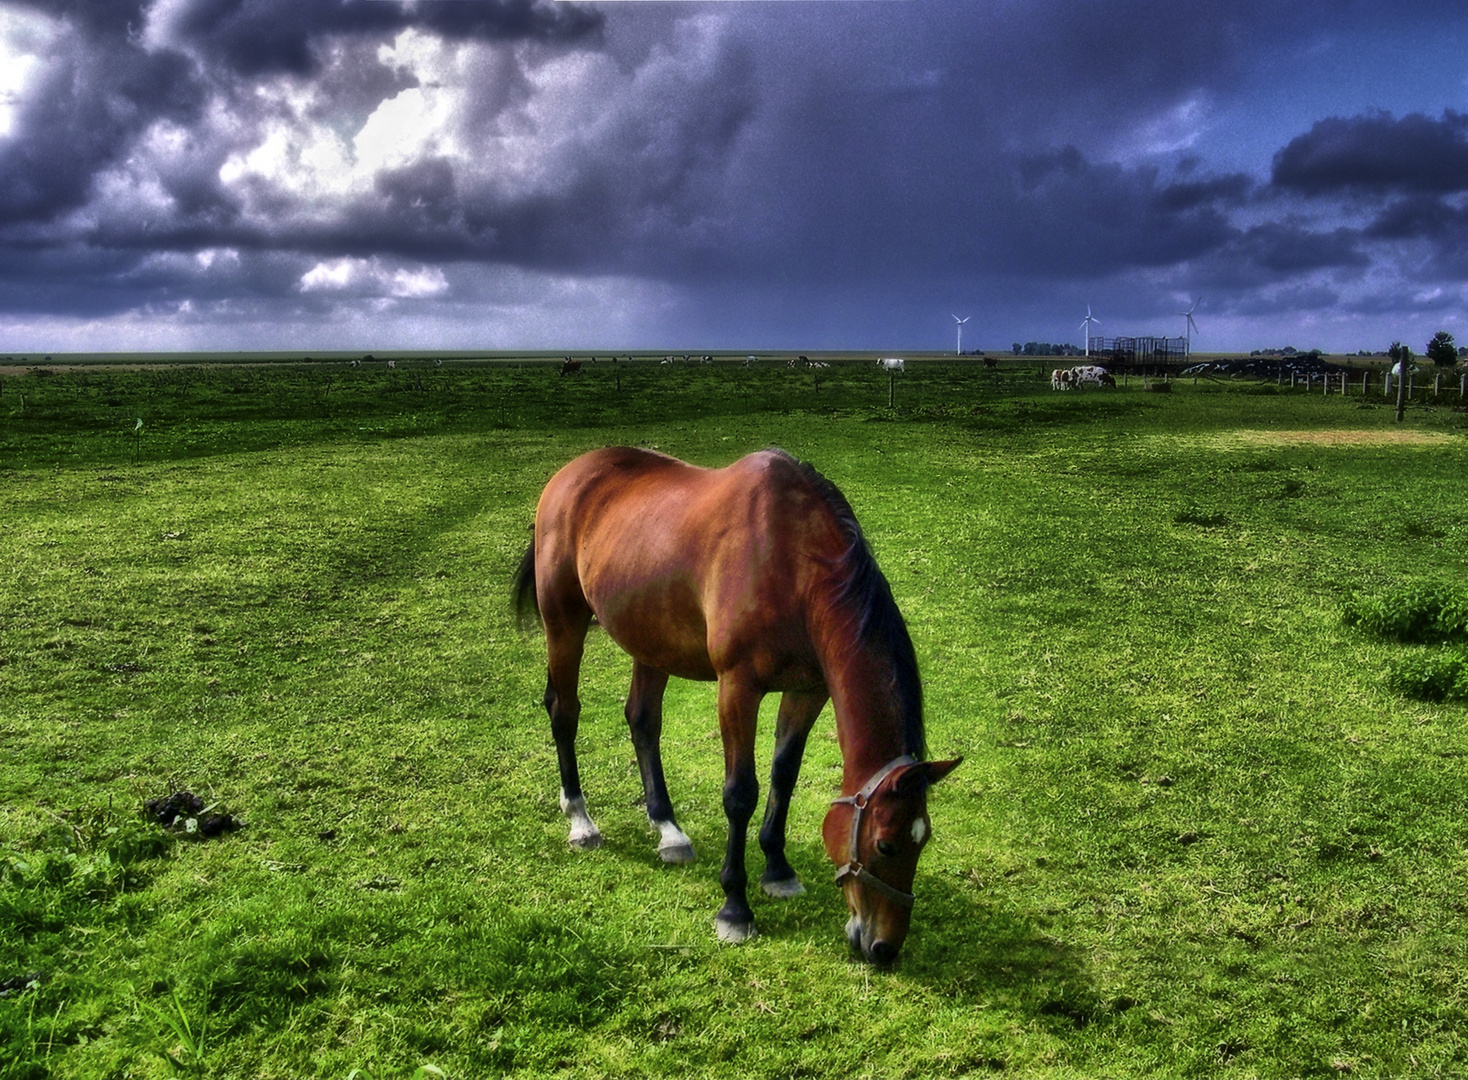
(974, 947)
(969, 945)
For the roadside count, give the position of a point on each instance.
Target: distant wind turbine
(1086, 326)
(1189, 326)
(960, 331)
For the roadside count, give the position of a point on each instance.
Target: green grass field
(1200, 829)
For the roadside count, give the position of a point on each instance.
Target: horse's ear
(936, 770)
(922, 773)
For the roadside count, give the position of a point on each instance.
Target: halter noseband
(858, 803)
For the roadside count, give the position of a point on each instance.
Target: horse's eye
(886, 848)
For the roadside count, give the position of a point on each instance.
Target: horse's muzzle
(879, 951)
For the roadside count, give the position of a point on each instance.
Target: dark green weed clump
(1439, 675)
(62, 886)
(1432, 615)
(1204, 519)
(1417, 614)
(87, 857)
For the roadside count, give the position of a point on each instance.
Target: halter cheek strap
(858, 803)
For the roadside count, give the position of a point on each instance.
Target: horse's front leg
(738, 715)
(797, 714)
(645, 721)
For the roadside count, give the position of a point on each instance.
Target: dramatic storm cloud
(503, 173)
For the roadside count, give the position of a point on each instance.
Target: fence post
(1365, 382)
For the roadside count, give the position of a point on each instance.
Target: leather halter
(858, 803)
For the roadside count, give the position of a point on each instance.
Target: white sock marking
(673, 842)
(584, 832)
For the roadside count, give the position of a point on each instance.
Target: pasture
(1196, 831)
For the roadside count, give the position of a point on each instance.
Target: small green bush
(1435, 676)
(89, 857)
(1418, 614)
(1195, 515)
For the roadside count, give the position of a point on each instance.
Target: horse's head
(875, 837)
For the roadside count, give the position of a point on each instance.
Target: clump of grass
(190, 1049)
(1206, 519)
(1416, 614)
(1440, 675)
(87, 856)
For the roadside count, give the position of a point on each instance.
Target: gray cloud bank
(506, 172)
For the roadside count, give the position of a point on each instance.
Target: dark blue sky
(281, 174)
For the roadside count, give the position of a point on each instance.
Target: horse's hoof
(783, 890)
(732, 933)
(584, 841)
(673, 843)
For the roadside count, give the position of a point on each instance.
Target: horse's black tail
(527, 604)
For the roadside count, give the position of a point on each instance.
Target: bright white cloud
(25, 39)
(369, 277)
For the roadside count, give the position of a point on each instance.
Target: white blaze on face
(919, 831)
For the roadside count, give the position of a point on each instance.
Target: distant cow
(892, 363)
(990, 362)
(1091, 375)
(1060, 379)
(568, 366)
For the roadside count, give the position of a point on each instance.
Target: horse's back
(687, 568)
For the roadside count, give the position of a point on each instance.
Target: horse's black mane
(865, 592)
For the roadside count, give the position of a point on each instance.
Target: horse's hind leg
(645, 720)
(793, 723)
(738, 714)
(564, 645)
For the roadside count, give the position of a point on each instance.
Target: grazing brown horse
(757, 576)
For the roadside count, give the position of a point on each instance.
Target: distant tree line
(1045, 348)
(1310, 355)
(1441, 350)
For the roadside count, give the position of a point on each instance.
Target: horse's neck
(868, 726)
